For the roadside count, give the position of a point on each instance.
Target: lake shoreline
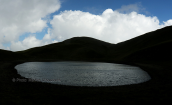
(158, 89)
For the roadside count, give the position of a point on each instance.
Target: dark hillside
(6, 55)
(151, 52)
(148, 40)
(154, 54)
(144, 48)
(77, 48)
(87, 40)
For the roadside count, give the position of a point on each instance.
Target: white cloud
(168, 23)
(111, 26)
(137, 7)
(20, 16)
(1, 46)
(54, 41)
(129, 8)
(29, 42)
(48, 36)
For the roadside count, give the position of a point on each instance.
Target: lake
(82, 73)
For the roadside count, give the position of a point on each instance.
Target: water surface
(82, 73)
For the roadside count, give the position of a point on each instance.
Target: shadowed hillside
(148, 40)
(150, 47)
(10, 56)
(151, 52)
(77, 48)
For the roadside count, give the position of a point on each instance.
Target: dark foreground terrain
(151, 52)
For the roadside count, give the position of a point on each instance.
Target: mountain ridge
(138, 49)
(150, 52)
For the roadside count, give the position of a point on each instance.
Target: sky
(31, 23)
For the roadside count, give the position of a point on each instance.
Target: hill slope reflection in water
(82, 73)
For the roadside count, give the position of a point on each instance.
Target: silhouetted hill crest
(144, 48)
(86, 40)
